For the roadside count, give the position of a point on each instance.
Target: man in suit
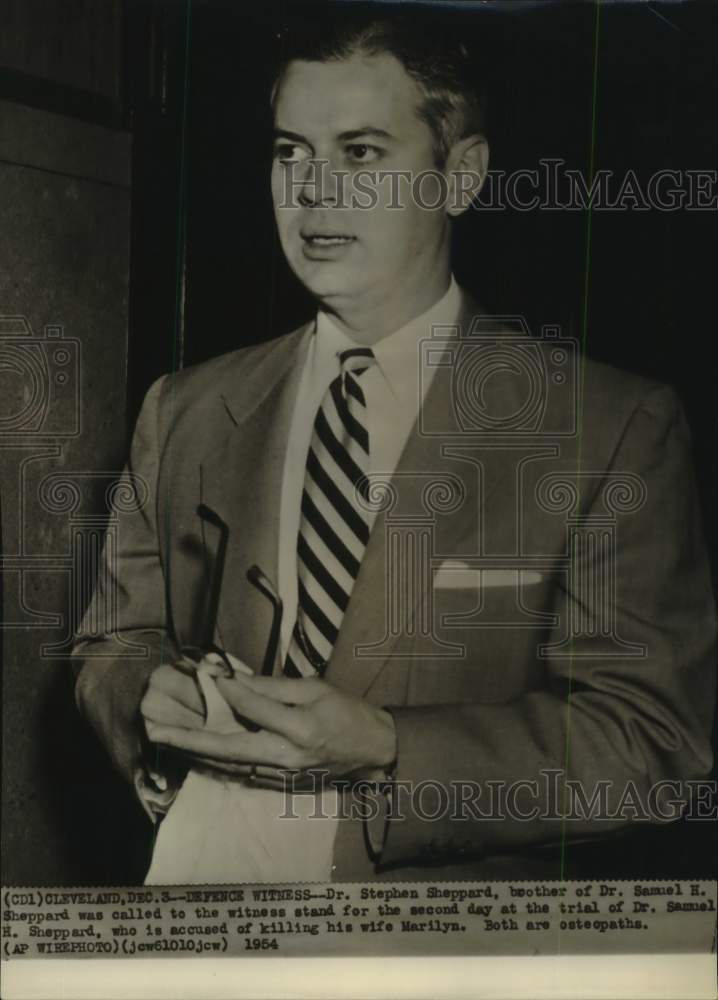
(487, 583)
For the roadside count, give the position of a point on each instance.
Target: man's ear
(466, 167)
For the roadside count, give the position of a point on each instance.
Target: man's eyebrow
(358, 133)
(347, 136)
(282, 133)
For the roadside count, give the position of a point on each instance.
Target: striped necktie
(334, 527)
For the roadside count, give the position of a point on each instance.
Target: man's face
(359, 114)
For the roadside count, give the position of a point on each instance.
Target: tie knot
(356, 360)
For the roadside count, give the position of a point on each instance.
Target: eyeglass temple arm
(215, 587)
(262, 583)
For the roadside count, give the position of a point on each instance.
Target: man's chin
(329, 283)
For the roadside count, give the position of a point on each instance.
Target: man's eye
(363, 153)
(290, 152)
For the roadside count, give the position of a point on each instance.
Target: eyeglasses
(191, 654)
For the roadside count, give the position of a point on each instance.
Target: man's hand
(306, 724)
(172, 698)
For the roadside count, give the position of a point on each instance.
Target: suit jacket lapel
(241, 480)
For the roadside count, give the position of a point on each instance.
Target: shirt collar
(399, 354)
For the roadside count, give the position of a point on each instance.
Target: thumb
(218, 665)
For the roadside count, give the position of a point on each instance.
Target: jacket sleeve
(624, 722)
(123, 635)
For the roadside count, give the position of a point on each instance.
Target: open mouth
(326, 239)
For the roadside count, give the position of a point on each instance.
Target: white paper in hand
(221, 830)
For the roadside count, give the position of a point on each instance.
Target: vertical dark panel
(155, 93)
(63, 346)
(75, 43)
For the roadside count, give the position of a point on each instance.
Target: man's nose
(321, 184)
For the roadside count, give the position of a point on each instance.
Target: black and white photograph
(357, 532)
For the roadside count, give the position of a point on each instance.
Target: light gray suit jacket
(599, 664)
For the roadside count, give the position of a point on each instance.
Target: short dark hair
(454, 104)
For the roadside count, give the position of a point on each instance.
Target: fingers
(178, 685)
(234, 748)
(289, 690)
(266, 712)
(156, 707)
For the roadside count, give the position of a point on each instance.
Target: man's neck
(369, 322)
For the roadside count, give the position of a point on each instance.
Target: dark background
(192, 268)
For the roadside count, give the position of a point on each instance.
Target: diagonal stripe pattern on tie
(334, 527)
